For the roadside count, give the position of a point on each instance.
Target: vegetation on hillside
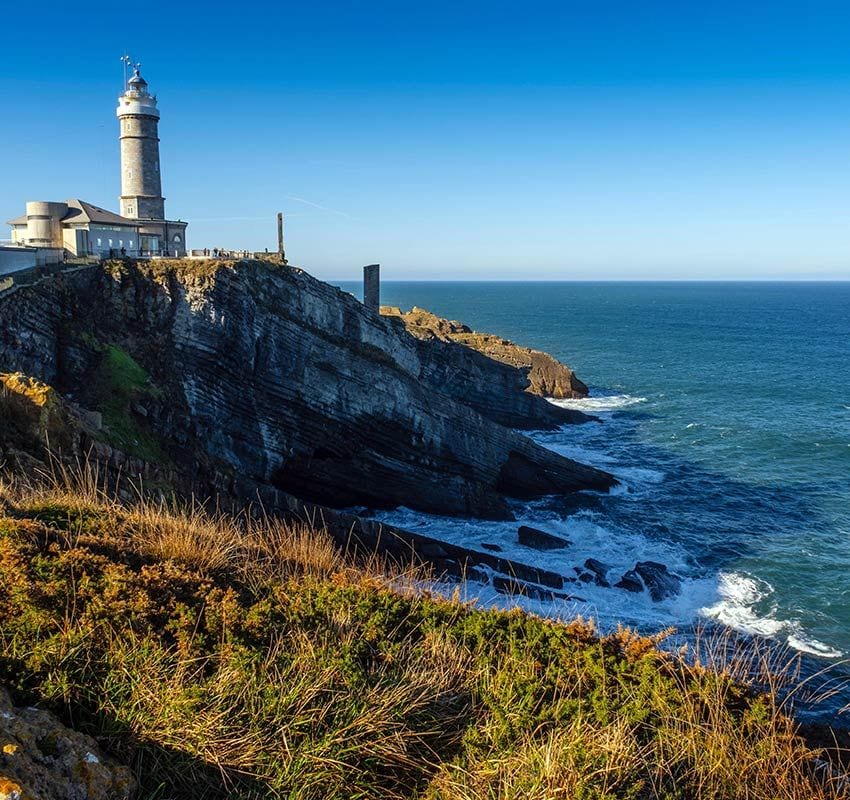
(226, 657)
(116, 385)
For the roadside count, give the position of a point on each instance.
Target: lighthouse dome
(137, 83)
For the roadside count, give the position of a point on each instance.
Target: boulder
(599, 571)
(540, 540)
(658, 579)
(41, 759)
(630, 581)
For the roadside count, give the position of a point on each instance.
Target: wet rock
(41, 759)
(492, 547)
(540, 540)
(658, 579)
(512, 586)
(599, 571)
(630, 581)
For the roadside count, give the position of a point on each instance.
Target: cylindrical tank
(44, 223)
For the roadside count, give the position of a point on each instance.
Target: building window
(177, 238)
(110, 242)
(100, 242)
(131, 243)
(120, 242)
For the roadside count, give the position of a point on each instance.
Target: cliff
(266, 374)
(544, 375)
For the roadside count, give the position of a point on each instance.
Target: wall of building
(14, 259)
(106, 238)
(171, 236)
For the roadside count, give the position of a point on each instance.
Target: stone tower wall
(141, 184)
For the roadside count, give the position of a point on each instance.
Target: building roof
(81, 211)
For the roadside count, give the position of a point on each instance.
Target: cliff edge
(546, 376)
(265, 373)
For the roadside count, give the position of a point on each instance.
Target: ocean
(724, 412)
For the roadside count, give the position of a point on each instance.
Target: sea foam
(600, 403)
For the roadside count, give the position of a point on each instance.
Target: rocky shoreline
(252, 382)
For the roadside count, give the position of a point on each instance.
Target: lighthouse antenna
(125, 60)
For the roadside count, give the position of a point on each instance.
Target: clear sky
(516, 140)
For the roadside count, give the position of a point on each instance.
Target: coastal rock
(546, 376)
(630, 581)
(497, 386)
(264, 372)
(41, 759)
(514, 587)
(540, 540)
(660, 582)
(599, 571)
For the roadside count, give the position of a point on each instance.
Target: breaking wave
(744, 605)
(613, 402)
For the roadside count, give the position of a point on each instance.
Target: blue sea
(725, 414)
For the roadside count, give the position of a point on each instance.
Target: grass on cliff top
(187, 267)
(226, 657)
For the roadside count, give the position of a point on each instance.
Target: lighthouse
(141, 184)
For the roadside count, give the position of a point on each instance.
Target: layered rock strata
(284, 380)
(546, 376)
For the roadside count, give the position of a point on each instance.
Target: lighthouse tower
(141, 185)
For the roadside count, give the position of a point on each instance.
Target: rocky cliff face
(279, 378)
(542, 375)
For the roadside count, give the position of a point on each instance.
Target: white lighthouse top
(137, 99)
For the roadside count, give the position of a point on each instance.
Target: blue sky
(571, 140)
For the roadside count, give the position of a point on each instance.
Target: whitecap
(613, 402)
(813, 647)
(740, 593)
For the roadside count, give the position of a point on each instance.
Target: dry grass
(243, 656)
